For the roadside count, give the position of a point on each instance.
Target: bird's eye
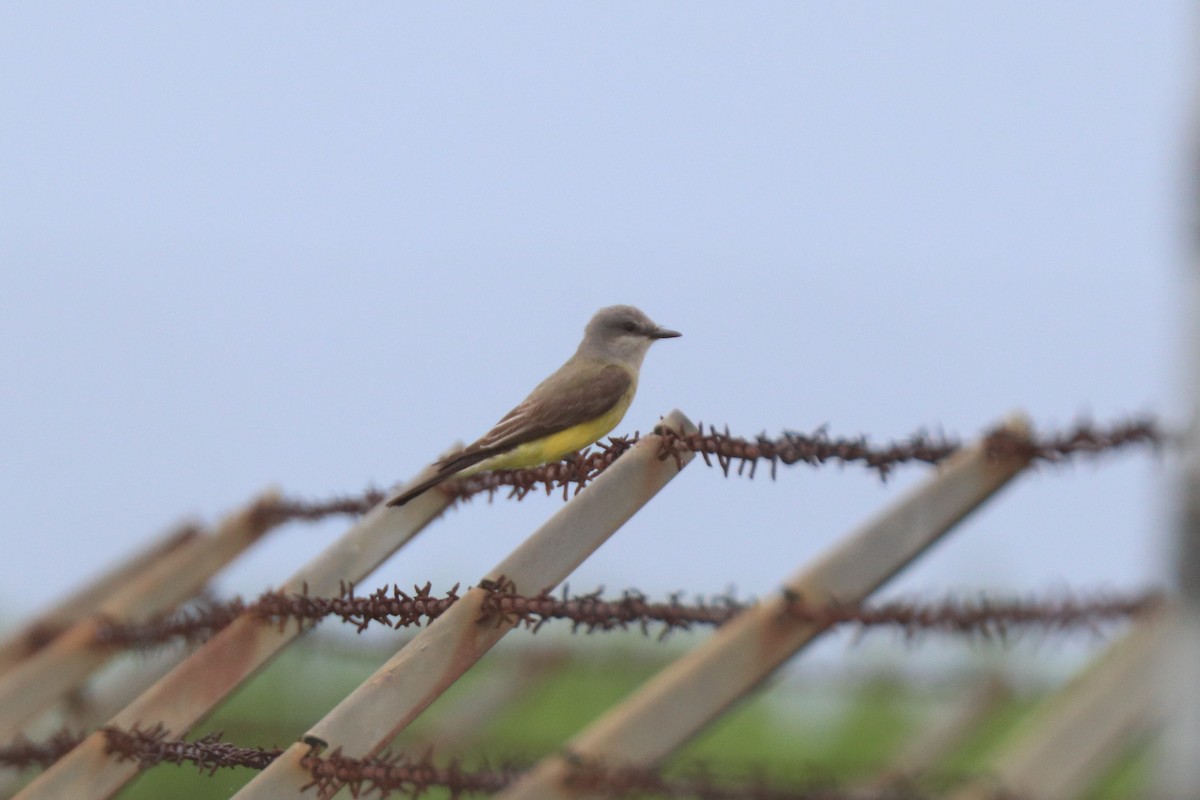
(629, 326)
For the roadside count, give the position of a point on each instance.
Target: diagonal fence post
(929, 746)
(1076, 735)
(42, 629)
(89, 709)
(401, 689)
(33, 686)
(205, 678)
(674, 705)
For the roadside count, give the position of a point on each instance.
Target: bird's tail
(446, 468)
(420, 488)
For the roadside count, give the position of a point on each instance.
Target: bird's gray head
(623, 334)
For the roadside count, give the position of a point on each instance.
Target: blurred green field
(835, 728)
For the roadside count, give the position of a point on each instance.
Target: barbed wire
(384, 774)
(815, 449)
(389, 606)
(390, 773)
(395, 773)
(152, 746)
(743, 456)
(1085, 438)
(393, 607)
(983, 616)
(273, 511)
(22, 752)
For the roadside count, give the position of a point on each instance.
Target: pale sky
(310, 245)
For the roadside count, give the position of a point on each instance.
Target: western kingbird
(583, 400)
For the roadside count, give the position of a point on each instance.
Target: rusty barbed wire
(982, 616)
(390, 773)
(578, 472)
(389, 606)
(813, 449)
(743, 456)
(152, 746)
(22, 753)
(275, 511)
(818, 448)
(393, 607)
(1083, 439)
(591, 612)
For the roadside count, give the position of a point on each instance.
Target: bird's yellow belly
(556, 445)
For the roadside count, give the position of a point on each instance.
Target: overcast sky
(309, 245)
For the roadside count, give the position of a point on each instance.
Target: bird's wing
(560, 402)
(568, 397)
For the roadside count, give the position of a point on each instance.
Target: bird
(579, 403)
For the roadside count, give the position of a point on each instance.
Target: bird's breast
(577, 437)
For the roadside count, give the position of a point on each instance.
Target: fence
(1097, 718)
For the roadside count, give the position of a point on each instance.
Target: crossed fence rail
(57, 652)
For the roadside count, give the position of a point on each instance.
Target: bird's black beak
(663, 333)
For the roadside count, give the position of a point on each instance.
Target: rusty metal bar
(1079, 732)
(41, 630)
(34, 685)
(684, 697)
(389, 700)
(206, 677)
